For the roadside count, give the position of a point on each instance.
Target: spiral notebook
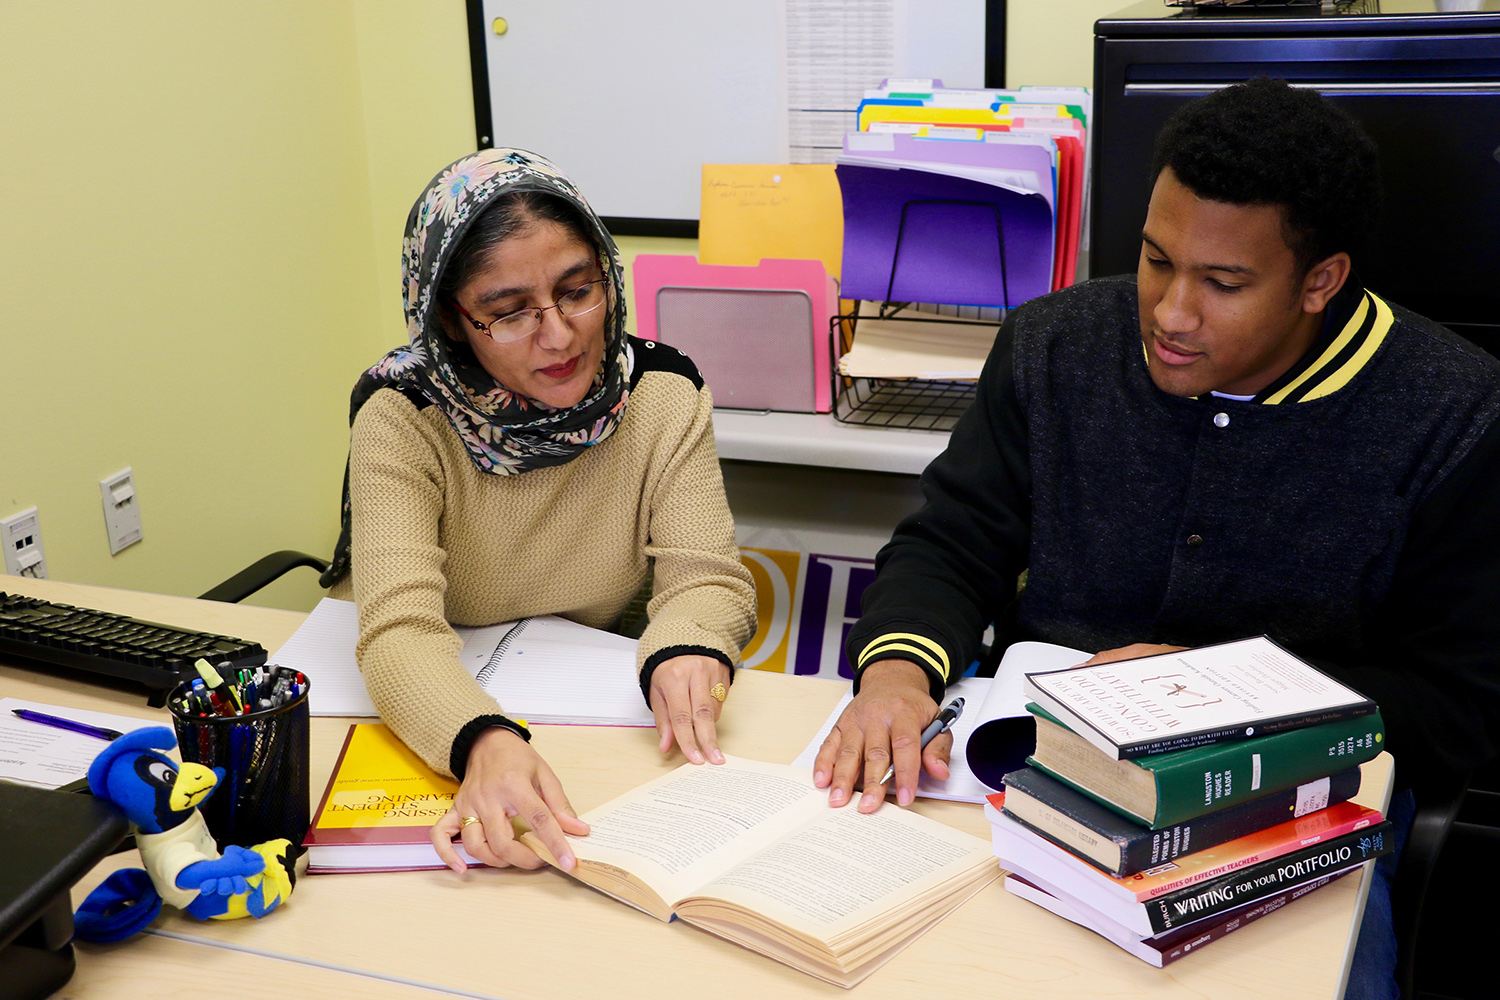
(551, 670)
(544, 670)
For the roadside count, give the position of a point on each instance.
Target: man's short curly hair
(1266, 143)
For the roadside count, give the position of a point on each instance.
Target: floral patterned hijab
(504, 432)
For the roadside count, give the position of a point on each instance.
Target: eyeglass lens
(571, 304)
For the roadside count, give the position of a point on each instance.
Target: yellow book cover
(378, 807)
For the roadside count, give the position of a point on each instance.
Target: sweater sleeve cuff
(661, 656)
(458, 757)
(919, 649)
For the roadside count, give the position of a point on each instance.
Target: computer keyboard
(150, 653)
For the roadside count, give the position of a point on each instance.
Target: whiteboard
(631, 99)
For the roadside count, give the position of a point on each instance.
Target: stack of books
(1173, 799)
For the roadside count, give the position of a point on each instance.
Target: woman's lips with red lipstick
(560, 371)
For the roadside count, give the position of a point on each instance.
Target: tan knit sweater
(436, 541)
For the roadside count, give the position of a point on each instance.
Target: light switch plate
(122, 510)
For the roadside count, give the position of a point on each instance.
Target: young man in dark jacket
(1239, 440)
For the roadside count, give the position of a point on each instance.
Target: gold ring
(718, 692)
(467, 822)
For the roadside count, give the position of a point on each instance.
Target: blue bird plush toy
(183, 864)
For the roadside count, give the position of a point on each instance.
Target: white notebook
(544, 670)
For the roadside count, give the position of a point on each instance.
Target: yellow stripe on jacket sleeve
(1384, 320)
(926, 651)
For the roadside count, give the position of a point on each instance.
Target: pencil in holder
(264, 755)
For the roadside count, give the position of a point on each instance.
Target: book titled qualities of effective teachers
(1193, 697)
(752, 852)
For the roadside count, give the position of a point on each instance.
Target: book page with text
(843, 868)
(676, 832)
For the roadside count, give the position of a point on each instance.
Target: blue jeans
(1372, 972)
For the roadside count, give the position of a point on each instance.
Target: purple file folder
(949, 250)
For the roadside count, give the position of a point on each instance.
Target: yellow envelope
(783, 210)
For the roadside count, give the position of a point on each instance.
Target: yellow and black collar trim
(1333, 360)
(1341, 357)
(907, 646)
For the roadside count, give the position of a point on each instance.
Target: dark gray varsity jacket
(1351, 512)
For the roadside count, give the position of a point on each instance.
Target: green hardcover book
(1169, 788)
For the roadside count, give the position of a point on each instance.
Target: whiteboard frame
(480, 38)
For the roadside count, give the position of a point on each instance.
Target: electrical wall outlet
(21, 537)
(122, 511)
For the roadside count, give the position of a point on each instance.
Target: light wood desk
(522, 935)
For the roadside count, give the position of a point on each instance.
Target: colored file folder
(754, 211)
(933, 220)
(759, 335)
(1027, 116)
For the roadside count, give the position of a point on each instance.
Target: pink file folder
(654, 272)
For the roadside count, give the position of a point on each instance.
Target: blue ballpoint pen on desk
(98, 732)
(944, 722)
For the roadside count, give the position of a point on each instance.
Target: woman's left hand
(684, 706)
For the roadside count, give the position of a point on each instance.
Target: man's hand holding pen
(879, 733)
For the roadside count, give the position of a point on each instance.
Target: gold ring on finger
(718, 692)
(467, 822)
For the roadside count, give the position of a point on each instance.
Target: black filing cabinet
(1422, 76)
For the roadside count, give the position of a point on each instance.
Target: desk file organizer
(757, 334)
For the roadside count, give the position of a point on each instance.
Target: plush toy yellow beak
(194, 782)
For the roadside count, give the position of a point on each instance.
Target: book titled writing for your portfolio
(378, 807)
(752, 852)
(1163, 949)
(1193, 697)
(1205, 865)
(1053, 869)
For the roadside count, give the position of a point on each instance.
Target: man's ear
(1323, 281)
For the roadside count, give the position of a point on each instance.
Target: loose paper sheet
(896, 348)
(41, 755)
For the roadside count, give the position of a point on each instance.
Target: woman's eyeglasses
(522, 323)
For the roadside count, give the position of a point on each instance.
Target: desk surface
(519, 935)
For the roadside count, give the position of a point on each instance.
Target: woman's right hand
(506, 778)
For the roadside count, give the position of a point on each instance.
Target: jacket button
(1221, 420)
(1195, 540)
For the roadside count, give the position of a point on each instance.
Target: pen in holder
(264, 753)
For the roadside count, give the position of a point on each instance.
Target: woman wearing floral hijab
(524, 456)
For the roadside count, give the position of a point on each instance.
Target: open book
(545, 669)
(752, 852)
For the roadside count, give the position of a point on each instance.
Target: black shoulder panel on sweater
(411, 392)
(652, 356)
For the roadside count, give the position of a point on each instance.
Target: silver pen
(944, 722)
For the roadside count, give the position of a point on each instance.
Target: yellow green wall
(200, 258)
(1051, 42)
(204, 211)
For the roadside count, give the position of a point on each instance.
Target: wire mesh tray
(905, 403)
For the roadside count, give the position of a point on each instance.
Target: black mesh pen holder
(264, 755)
